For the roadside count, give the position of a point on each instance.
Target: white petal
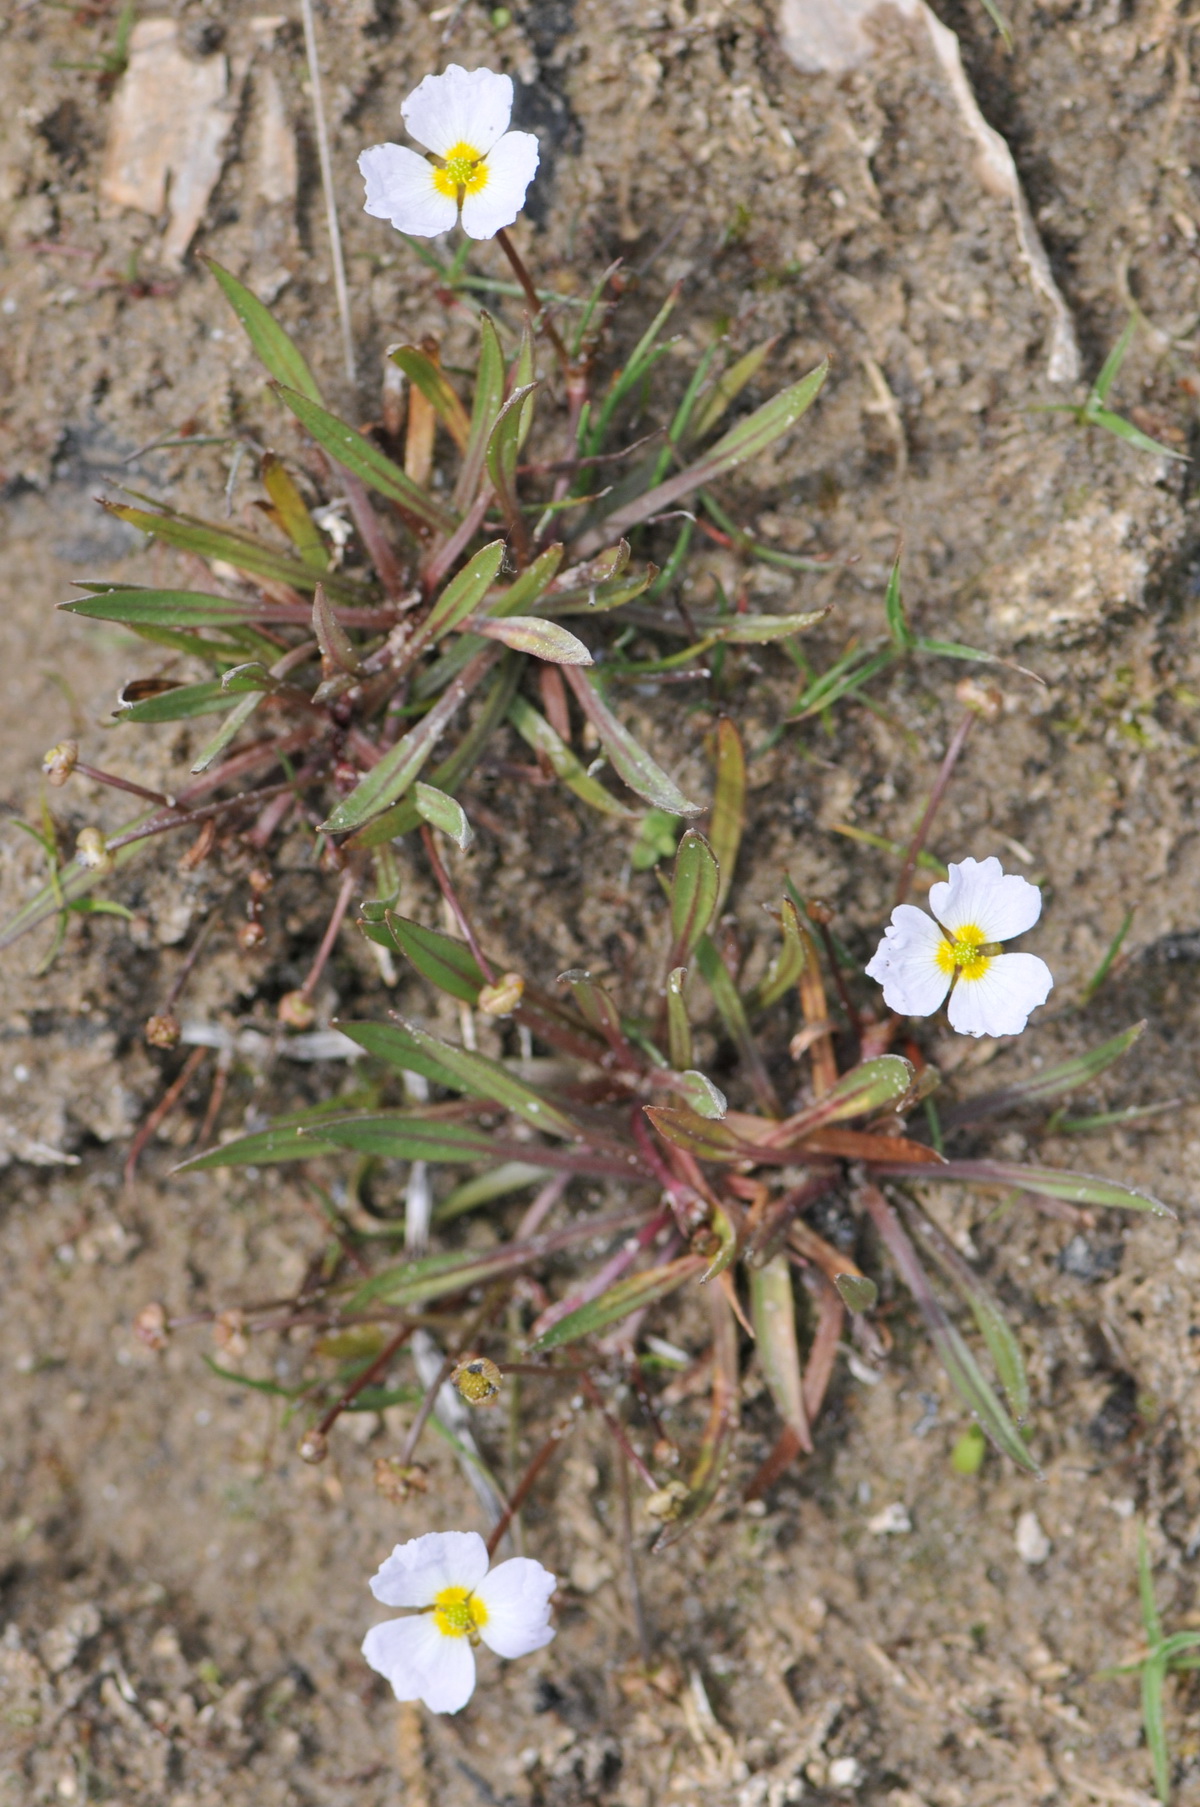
(459, 107)
(400, 188)
(517, 1597)
(999, 1003)
(978, 892)
(422, 1663)
(905, 963)
(511, 168)
(417, 1571)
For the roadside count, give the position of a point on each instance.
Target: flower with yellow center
(430, 1656)
(462, 117)
(958, 950)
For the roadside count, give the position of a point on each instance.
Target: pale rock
(1033, 1546)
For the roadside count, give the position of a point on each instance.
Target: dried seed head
(260, 879)
(315, 1447)
(59, 762)
(229, 1332)
(818, 911)
(984, 699)
(296, 1011)
(667, 1504)
(150, 1326)
(397, 1480)
(91, 850)
(251, 935)
(162, 1031)
(502, 998)
(477, 1379)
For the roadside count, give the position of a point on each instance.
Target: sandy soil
(183, 1597)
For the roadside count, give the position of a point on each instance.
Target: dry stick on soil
(162, 1110)
(617, 1430)
(122, 784)
(316, 1437)
(957, 742)
(342, 904)
(525, 1484)
(335, 236)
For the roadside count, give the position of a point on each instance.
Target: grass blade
(276, 349)
(728, 819)
(630, 761)
(536, 731)
(773, 1314)
(358, 455)
(1048, 1182)
(695, 886)
(635, 1293)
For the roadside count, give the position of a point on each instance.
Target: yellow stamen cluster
(969, 953)
(465, 171)
(458, 1613)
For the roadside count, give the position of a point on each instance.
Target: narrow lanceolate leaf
(726, 997)
(1047, 1182)
(1052, 1082)
(395, 1045)
(728, 818)
(364, 459)
(443, 812)
(745, 440)
(707, 1139)
(434, 1276)
(536, 731)
(679, 1028)
(534, 635)
(630, 761)
(632, 1294)
(234, 722)
(963, 1370)
(697, 1090)
(431, 380)
(488, 1079)
(241, 550)
(695, 886)
(489, 394)
(503, 447)
(397, 1136)
(786, 967)
(293, 513)
(758, 630)
(532, 584)
(993, 1326)
(178, 703)
(721, 1432)
(893, 608)
(337, 648)
(284, 1142)
(177, 609)
(729, 386)
(398, 768)
(864, 1091)
(445, 962)
(773, 1315)
(277, 350)
(497, 1182)
(464, 594)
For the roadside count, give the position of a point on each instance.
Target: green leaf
(773, 1315)
(630, 761)
(400, 765)
(745, 440)
(1052, 1082)
(489, 394)
(275, 348)
(464, 594)
(179, 703)
(786, 967)
(707, 1139)
(961, 1367)
(266, 1147)
(728, 818)
(393, 1043)
(503, 449)
(857, 1292)
(363, 459)
(540, 638)
(232, 725)
(758, 630)
(497, 1182)
(488, 1079)
(862, 1092)
(443, 812)
(533, 582)
(1002, 1344)
(176, 608)
(1048, 1182)
(431, 380)
(733, 1014)
(635, 1293)
(1112, 364)
(695, 887)
(292, 509)
(445, 962)
(536, 731)
(698, 1091)
(241, 550)
(893, 606)
(679, 1028)
(1125, 429)
(729, 386)
(397, 1136)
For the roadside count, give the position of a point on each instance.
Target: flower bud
(315, 1447)
(59, 762)
(667, 1504)
(477, 1379)
(397, 1480)
(162, 1031)
(502, 998)
(91, 850)
(984, 699)
(228, 1331)
(251, 935)
(150, 1326)
(295, 1011)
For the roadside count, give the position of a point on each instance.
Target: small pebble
(1033, 1546)
(893, 1521)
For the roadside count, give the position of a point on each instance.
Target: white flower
(430, 1656)
(919, 959)
(462, 117)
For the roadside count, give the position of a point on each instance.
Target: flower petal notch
(957, 951)
(483, 172)
(459, 1604)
